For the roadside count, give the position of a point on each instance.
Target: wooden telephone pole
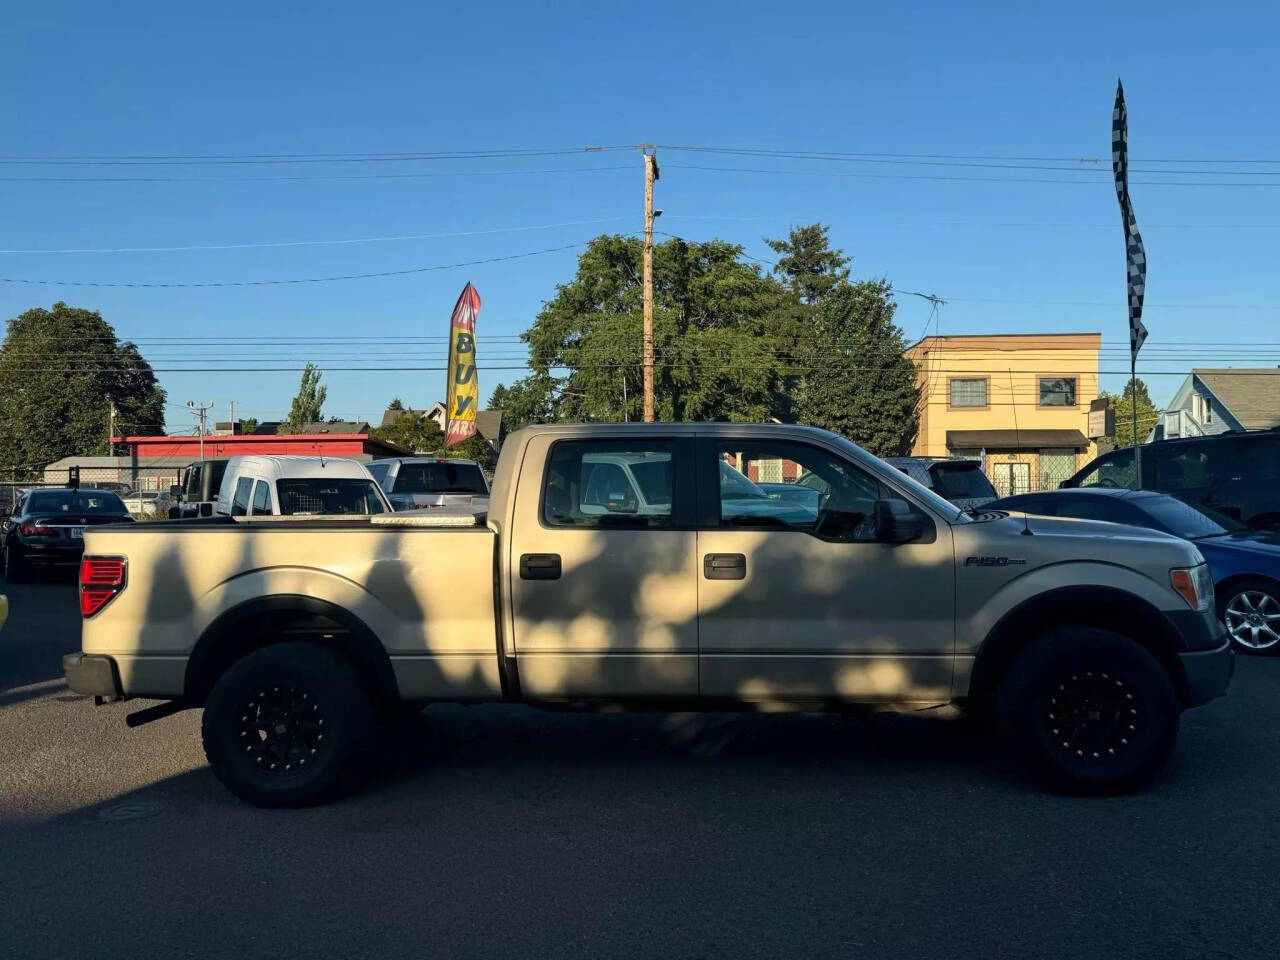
(650, 175)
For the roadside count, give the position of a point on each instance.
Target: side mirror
(897, 522)
(175, 492)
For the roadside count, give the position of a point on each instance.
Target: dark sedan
(1245, 563)
(46, 528)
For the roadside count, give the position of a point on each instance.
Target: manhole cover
(133, 810)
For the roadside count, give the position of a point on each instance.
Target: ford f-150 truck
(641, 565)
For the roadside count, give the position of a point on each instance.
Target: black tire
(1246, 599)
(288, 725)
(16, 568)
(1090, 710)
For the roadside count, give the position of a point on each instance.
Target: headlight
(1195, 584)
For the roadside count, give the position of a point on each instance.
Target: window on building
(969, 392)
(1057, 391)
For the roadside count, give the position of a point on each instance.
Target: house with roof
(1218, 400)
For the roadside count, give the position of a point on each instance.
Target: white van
(298, 486)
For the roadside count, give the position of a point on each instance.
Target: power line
(285, 158)
(313, 243)
(296, 280)
(906, 176)
(316, 177)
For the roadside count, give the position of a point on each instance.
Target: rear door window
(240, 500)
(610, 484)
(261, 497)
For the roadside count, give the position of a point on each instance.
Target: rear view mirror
(897, 522)
(175, 491)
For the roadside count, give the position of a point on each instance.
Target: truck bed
(424, 586)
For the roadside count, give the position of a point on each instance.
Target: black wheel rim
(1092, 716)
(282, 730)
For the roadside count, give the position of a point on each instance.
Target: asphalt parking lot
(504, 831)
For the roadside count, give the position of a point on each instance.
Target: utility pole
(111, 428)
(202, 412)
(650, 175)
(233, 418)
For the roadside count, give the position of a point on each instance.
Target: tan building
(1017, 402)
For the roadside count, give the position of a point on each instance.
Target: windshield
(91, 502)
(315, 496)
(440, 477)
(1188, 520)
(959, 481)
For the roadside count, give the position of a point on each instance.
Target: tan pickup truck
(699, 566)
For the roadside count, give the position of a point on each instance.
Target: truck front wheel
(1091, 710)
(287, 724)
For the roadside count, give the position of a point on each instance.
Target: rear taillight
(32, 528)
(101, 578)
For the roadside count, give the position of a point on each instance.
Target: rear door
(603, 569)
(799, 601)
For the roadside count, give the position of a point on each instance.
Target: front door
(1011, 479)
(603, 570)
(797, 598)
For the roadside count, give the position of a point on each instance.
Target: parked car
(1237, 474)
(958, 480)
(298, 486)
(415, 483)
(296, 636)
(46, 528)
(1245, 563)
(146, 503)
(195, 496)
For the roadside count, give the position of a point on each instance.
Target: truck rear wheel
(1091, 710)
(286, 725)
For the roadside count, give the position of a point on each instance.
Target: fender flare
(1089, 605)
(240, 630)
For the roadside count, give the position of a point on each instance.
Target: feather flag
(464, 390)
(1135, 254)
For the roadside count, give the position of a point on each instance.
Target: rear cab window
(440, 477)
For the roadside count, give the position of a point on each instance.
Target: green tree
(1122, 404)
(60, 371)
(852, 376)
(412, 432)
(807, 263)
(524, 402)
(307, 404)
(714, 338)
(248, 424)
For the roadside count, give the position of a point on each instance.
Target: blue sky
(927, 79)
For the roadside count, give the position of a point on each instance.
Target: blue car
(1245, 563)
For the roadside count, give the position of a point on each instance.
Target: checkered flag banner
(1135, 255)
